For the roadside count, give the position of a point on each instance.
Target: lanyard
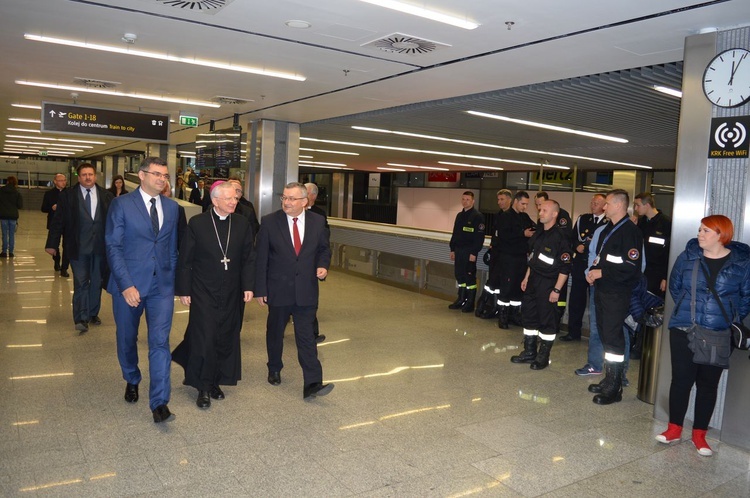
(619, 224)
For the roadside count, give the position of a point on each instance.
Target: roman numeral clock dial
(726, 81)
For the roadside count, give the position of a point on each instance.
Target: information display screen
(218, 151)
(92, 121)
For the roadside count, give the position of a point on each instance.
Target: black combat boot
(468, 306)
(514, 315)
(459, 302)
(483, 302)
(529, 350)
(492, 309)
(597, 388)
(611, 392)
(502, 316)
(542, 357)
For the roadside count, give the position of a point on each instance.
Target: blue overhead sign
(92, 121)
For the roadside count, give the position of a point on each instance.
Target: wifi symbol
(734, 136)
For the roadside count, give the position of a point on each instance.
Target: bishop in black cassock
(215, 277)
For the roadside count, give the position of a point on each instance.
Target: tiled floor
(426, 404)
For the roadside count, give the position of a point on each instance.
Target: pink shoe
(672, 434)
(699, 440)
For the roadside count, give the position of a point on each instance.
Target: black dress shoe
(203, 401)
(64, 273)
(216, 392)
(57, 266)
(317, 389)
(131, 393)
(95, 320)
(162, 414)
(82, 327)
(569, 338)
(274, 378)
(320, 338)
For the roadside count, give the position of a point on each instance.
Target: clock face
(726, 81)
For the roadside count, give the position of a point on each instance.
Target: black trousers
(512, 271)
(307, 350)
(465, 270)
(685, 373)
(537, 312)
(579, 296)
(611, 310)
(494, 277)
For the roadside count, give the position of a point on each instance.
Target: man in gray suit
(293, 253)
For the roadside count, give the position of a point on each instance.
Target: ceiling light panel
(425, 13)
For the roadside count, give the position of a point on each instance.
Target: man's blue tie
(87, 202)
(154, 217)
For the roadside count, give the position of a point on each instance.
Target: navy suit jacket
(136, 256)
(281, 276)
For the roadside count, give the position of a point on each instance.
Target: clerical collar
(222, 218)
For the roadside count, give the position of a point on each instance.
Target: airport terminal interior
(426, 403)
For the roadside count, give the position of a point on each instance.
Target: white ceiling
(348, 84)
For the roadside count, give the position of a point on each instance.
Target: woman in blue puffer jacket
(725, 265)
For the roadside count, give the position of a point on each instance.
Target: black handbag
(740, 334)
(709, 347)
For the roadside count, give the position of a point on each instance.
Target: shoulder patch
(563, 222)
(481, 226)
(565, 257)
(633, 254)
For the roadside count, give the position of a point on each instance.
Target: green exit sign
(42, 153)
(188, 121)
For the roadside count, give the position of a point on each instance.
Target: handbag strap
(716, 296)
(693, 285)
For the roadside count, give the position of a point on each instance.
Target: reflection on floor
(426, 404)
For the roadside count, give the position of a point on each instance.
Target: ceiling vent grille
(92, 83)
(221, 99)
(400, 43)
(205, 6)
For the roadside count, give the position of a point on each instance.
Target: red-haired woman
(725, 266)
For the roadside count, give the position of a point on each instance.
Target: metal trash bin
(647, 375)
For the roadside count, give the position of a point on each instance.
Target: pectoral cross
(225, 261)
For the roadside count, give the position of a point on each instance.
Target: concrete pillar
(273, 155)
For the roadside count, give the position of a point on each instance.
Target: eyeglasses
(158, 175)
(229, 199)
(284, 198)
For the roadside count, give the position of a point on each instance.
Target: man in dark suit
(293, 253)
(49, 206)
(201, 195)
(80, 219)
(142, 252)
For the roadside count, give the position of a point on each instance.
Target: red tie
(297, 240)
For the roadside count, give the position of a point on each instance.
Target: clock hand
(734, 68)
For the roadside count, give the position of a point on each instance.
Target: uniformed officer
(583, 230)
(656, 228)
(516, 227)
(466, 242)
(616, 269)
(564, 223)
(487, 303)
(546, 275)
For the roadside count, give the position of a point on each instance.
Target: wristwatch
(556, 290)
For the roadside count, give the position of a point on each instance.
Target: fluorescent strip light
(391, 169)
(133, 95)
(496, 168)
(25, 120)
(305, 157)
(491, 146)
(23, 130)
(164, 57)
(9, 157)
(331, 151)
(26, 106)
(549, 127)
(322, 163)
(669, 91)
(433, 168)
(425, 13)
(48, 145)
(58, 140)
(323, 167)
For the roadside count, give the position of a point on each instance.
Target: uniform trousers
(159, 311)
(685, 373)
(611, 310)
(537, 312)
(87, 286)
(464, 270)
(304, 337)
(512, 271)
